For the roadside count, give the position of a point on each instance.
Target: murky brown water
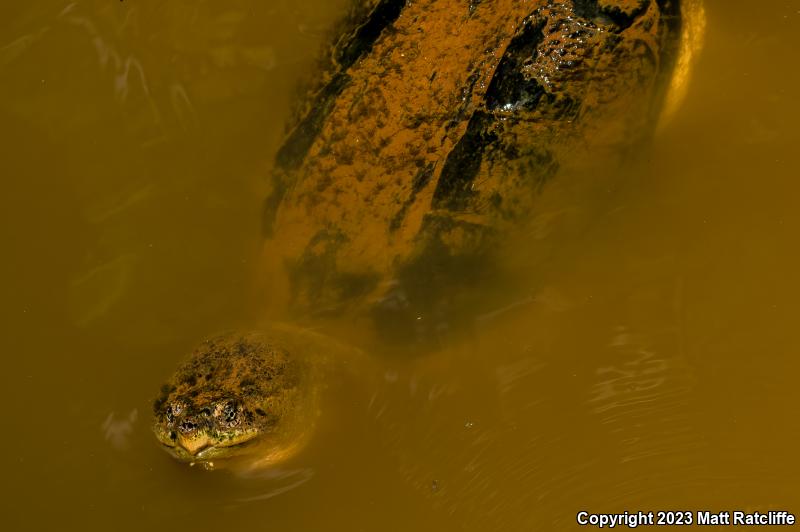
(651, 363)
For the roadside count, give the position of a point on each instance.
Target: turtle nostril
(187, 426)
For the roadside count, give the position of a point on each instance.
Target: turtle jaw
(203, 447)
(195, 445)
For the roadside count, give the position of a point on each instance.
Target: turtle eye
(205, 411)
(172, 411)
(229, 413)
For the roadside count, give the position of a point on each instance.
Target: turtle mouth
(207, 449)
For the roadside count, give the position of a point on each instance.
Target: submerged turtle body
(435, 131)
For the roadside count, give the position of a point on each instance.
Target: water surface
(649, 363)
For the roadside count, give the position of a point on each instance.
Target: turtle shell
(434, 129)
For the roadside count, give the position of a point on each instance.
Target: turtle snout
(192, 436)
(187, 426)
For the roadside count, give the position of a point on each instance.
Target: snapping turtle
(432, 133)
(255, 394)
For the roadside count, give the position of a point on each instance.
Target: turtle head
(237, 393)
